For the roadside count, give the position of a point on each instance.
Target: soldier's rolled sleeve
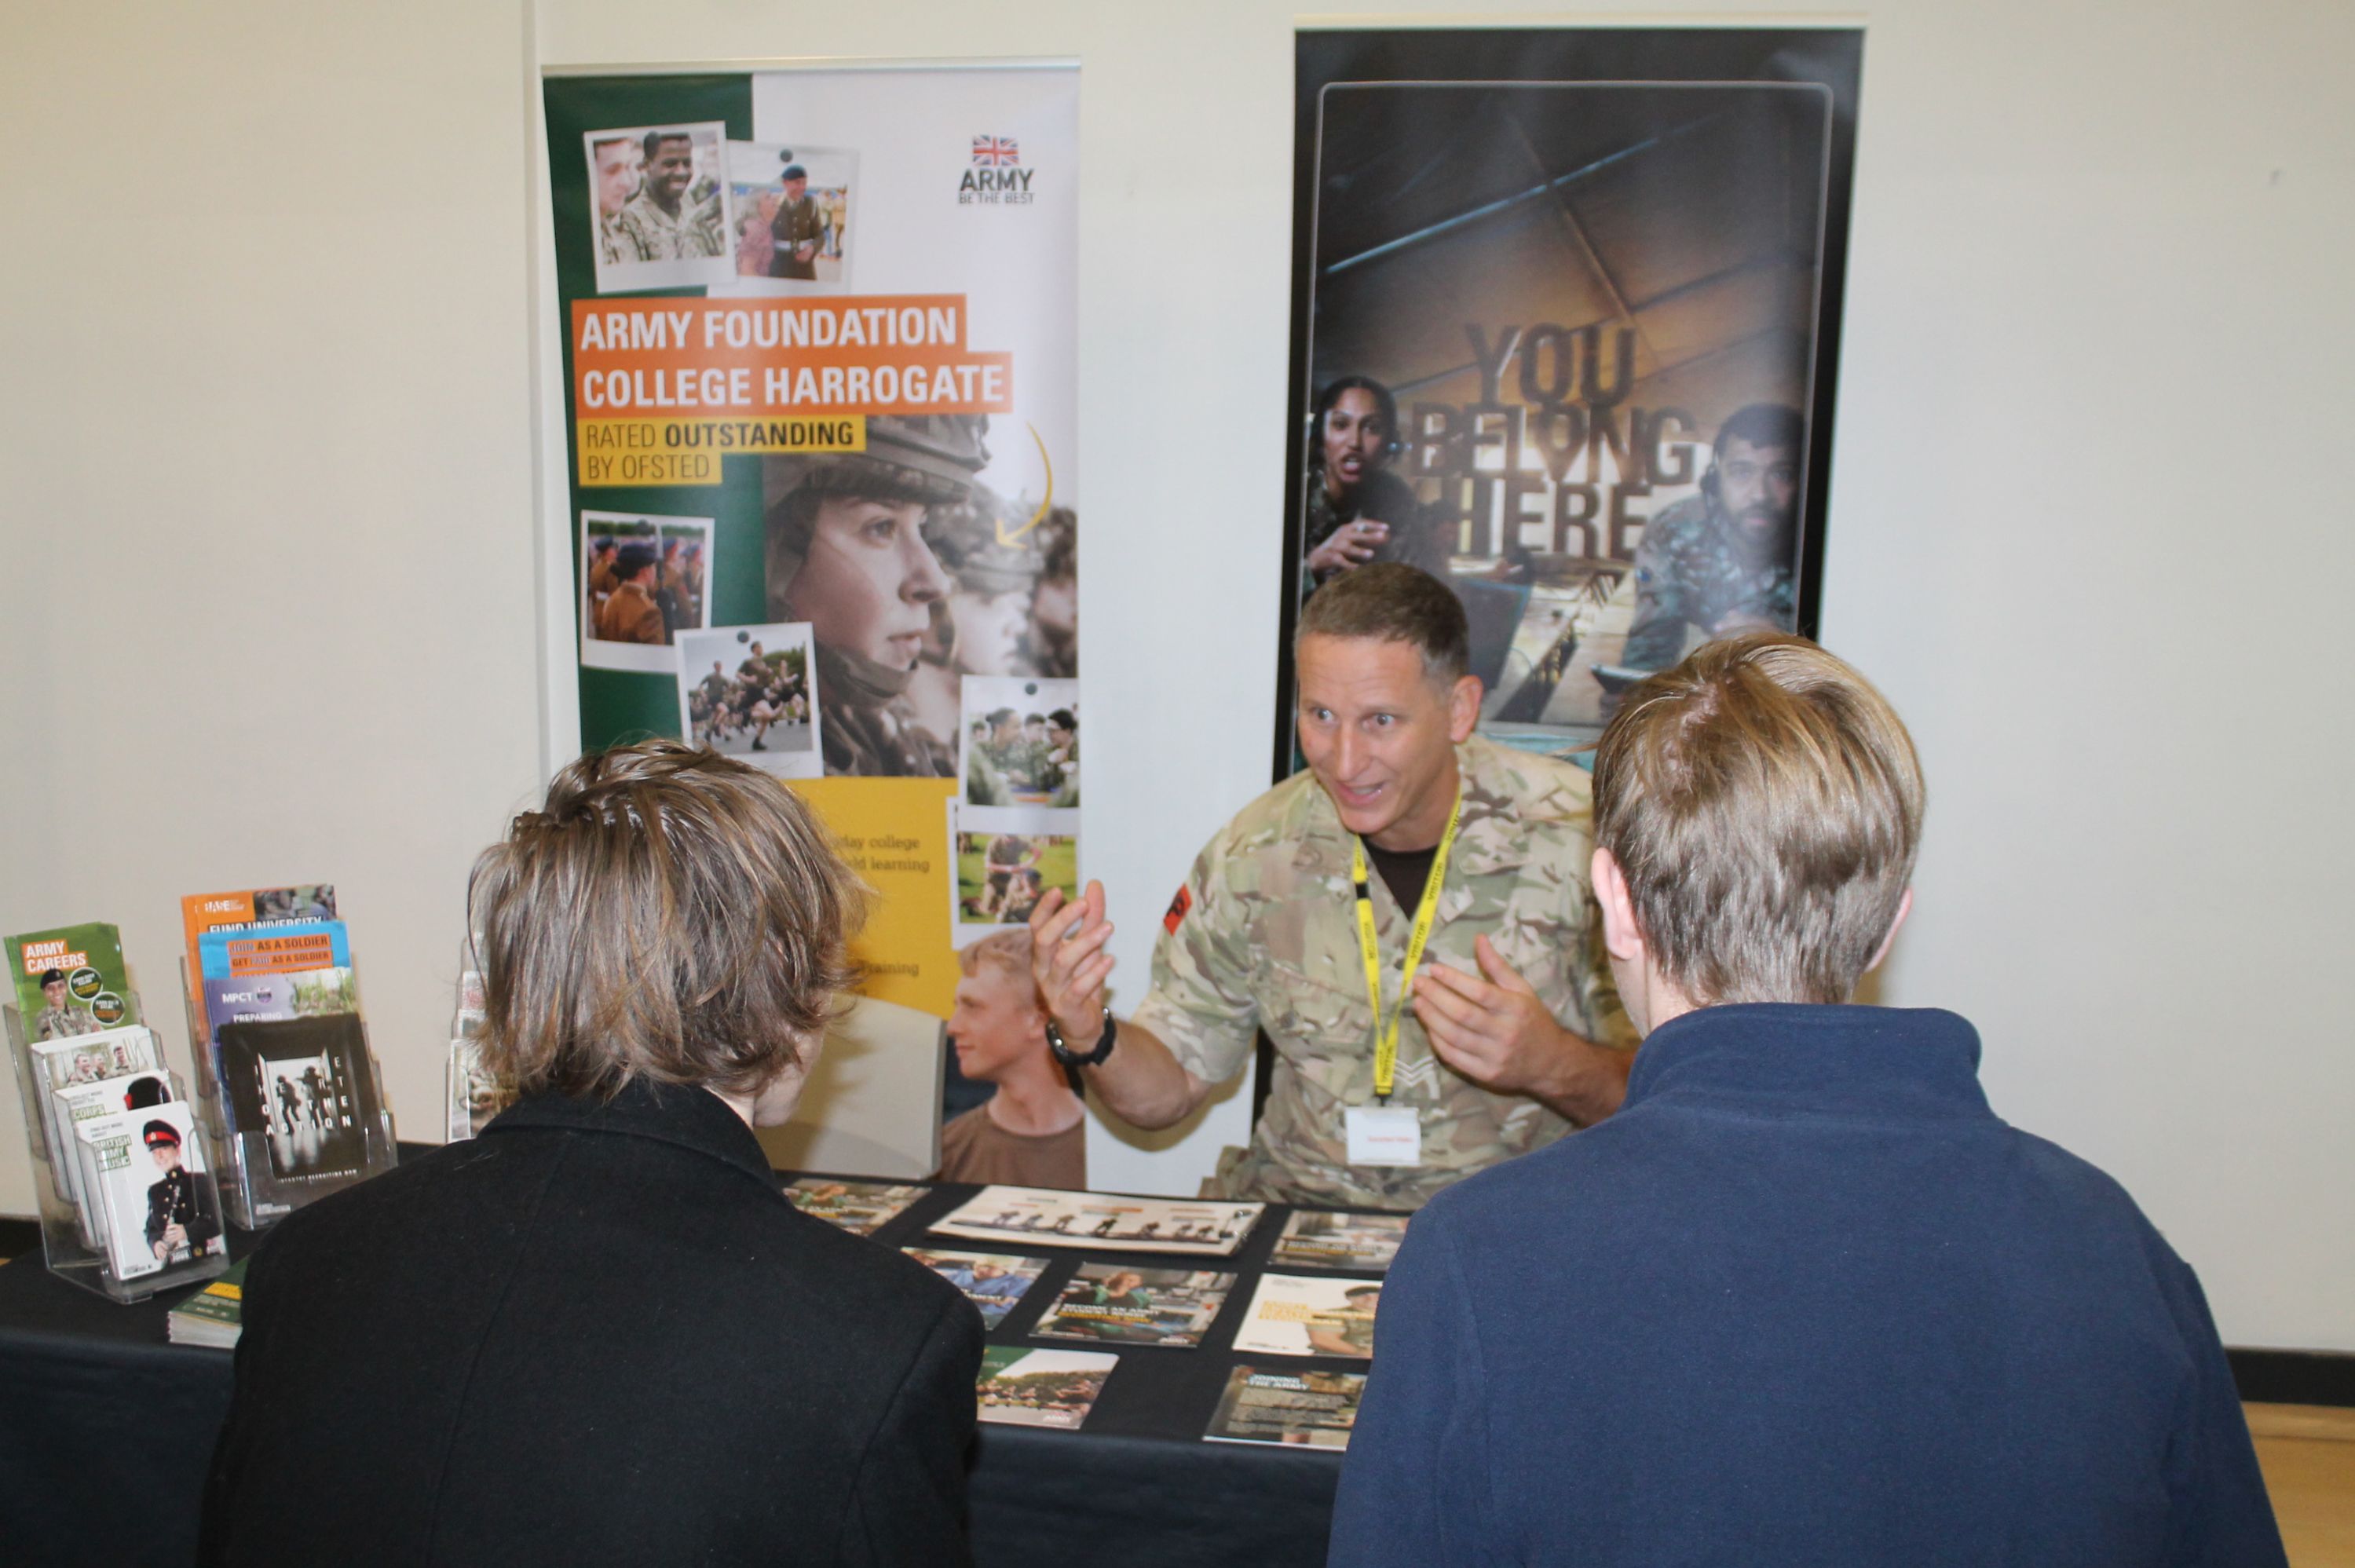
(1200, 1005)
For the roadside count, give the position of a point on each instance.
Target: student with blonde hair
(599, 1332)
(1805, 1298)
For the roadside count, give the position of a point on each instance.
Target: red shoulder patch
(1177, 908)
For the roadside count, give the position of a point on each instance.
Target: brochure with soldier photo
(994, 1282)
(80, 1063)
(1102, 1222)
(1115, 1304)
(70, 981)
(1019, 741)
(1298, 1314)
(1301, 1409)
(646, 583)
(752, 692)
(1022, 1387)
(70, 1106)
(1321, 1237)
(306, 1087)
(145, 1172)
(87, 1075)
(476, 1093)
(858, 1207)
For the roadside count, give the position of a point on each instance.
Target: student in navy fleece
(1805, 1298)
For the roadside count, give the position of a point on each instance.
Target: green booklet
(70, 981)
(213, 1316)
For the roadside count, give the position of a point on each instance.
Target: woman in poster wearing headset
(847, 552)
(1357, 510)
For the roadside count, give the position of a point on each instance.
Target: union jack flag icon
(994, 153)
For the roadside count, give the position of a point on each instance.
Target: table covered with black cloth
(106, 1430)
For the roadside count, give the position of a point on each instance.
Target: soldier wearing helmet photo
(848, 553)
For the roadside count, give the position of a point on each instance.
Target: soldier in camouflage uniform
(61, 1020)
(1357, 509)
(848, 552)
(1722, 562)
(659, 224)
(1264, 935)
(797, 228)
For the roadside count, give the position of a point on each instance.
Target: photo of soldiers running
(747, 690)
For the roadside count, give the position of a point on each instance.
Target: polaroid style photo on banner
(1002, 861)
(790, 212)
(659, 206)
(752, 692)
(644, 581)
(1019, 741)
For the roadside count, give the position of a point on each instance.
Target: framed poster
(1565, 324)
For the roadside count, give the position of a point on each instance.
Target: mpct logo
(997, 178)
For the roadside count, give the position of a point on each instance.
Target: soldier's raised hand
(1069, 963)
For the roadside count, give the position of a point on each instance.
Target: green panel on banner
(620, 705)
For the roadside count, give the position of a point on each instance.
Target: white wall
(265, 432)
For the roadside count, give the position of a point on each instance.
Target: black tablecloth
(106, 1430)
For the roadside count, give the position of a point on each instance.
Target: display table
(106, 1430)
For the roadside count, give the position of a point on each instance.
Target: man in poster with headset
(1409, 919)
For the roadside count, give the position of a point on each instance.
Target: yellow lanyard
(1386, 1034)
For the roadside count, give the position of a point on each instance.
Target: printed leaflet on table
(995, 1282)
(858, 1207)
(1102, 1222)
(1316, 1238)
(1297, 1409)
(1041, 1388)
(1136, 1306)
(214, 1316)
(1295, 1315)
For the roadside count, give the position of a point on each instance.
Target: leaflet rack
(69, 1245)
(293, 1109)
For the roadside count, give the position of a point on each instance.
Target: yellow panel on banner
(894, 833)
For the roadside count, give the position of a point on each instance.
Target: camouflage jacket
(1415, 538)
(1689, 574)
(644, 233)
(1265, 936)
(64, 1023)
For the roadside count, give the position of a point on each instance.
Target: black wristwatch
(1069, 1058)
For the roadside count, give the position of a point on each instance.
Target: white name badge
(1384, 1134)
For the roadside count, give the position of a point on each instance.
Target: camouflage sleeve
(1657, 633)
(1200, 1005)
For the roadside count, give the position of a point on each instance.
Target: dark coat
(598, 1333)
(1804, 1300)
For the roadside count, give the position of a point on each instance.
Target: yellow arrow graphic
(1040, 515)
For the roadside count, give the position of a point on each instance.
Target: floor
(2307, 1453)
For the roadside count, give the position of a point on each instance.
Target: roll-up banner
(1565, 321)
(821, 459)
